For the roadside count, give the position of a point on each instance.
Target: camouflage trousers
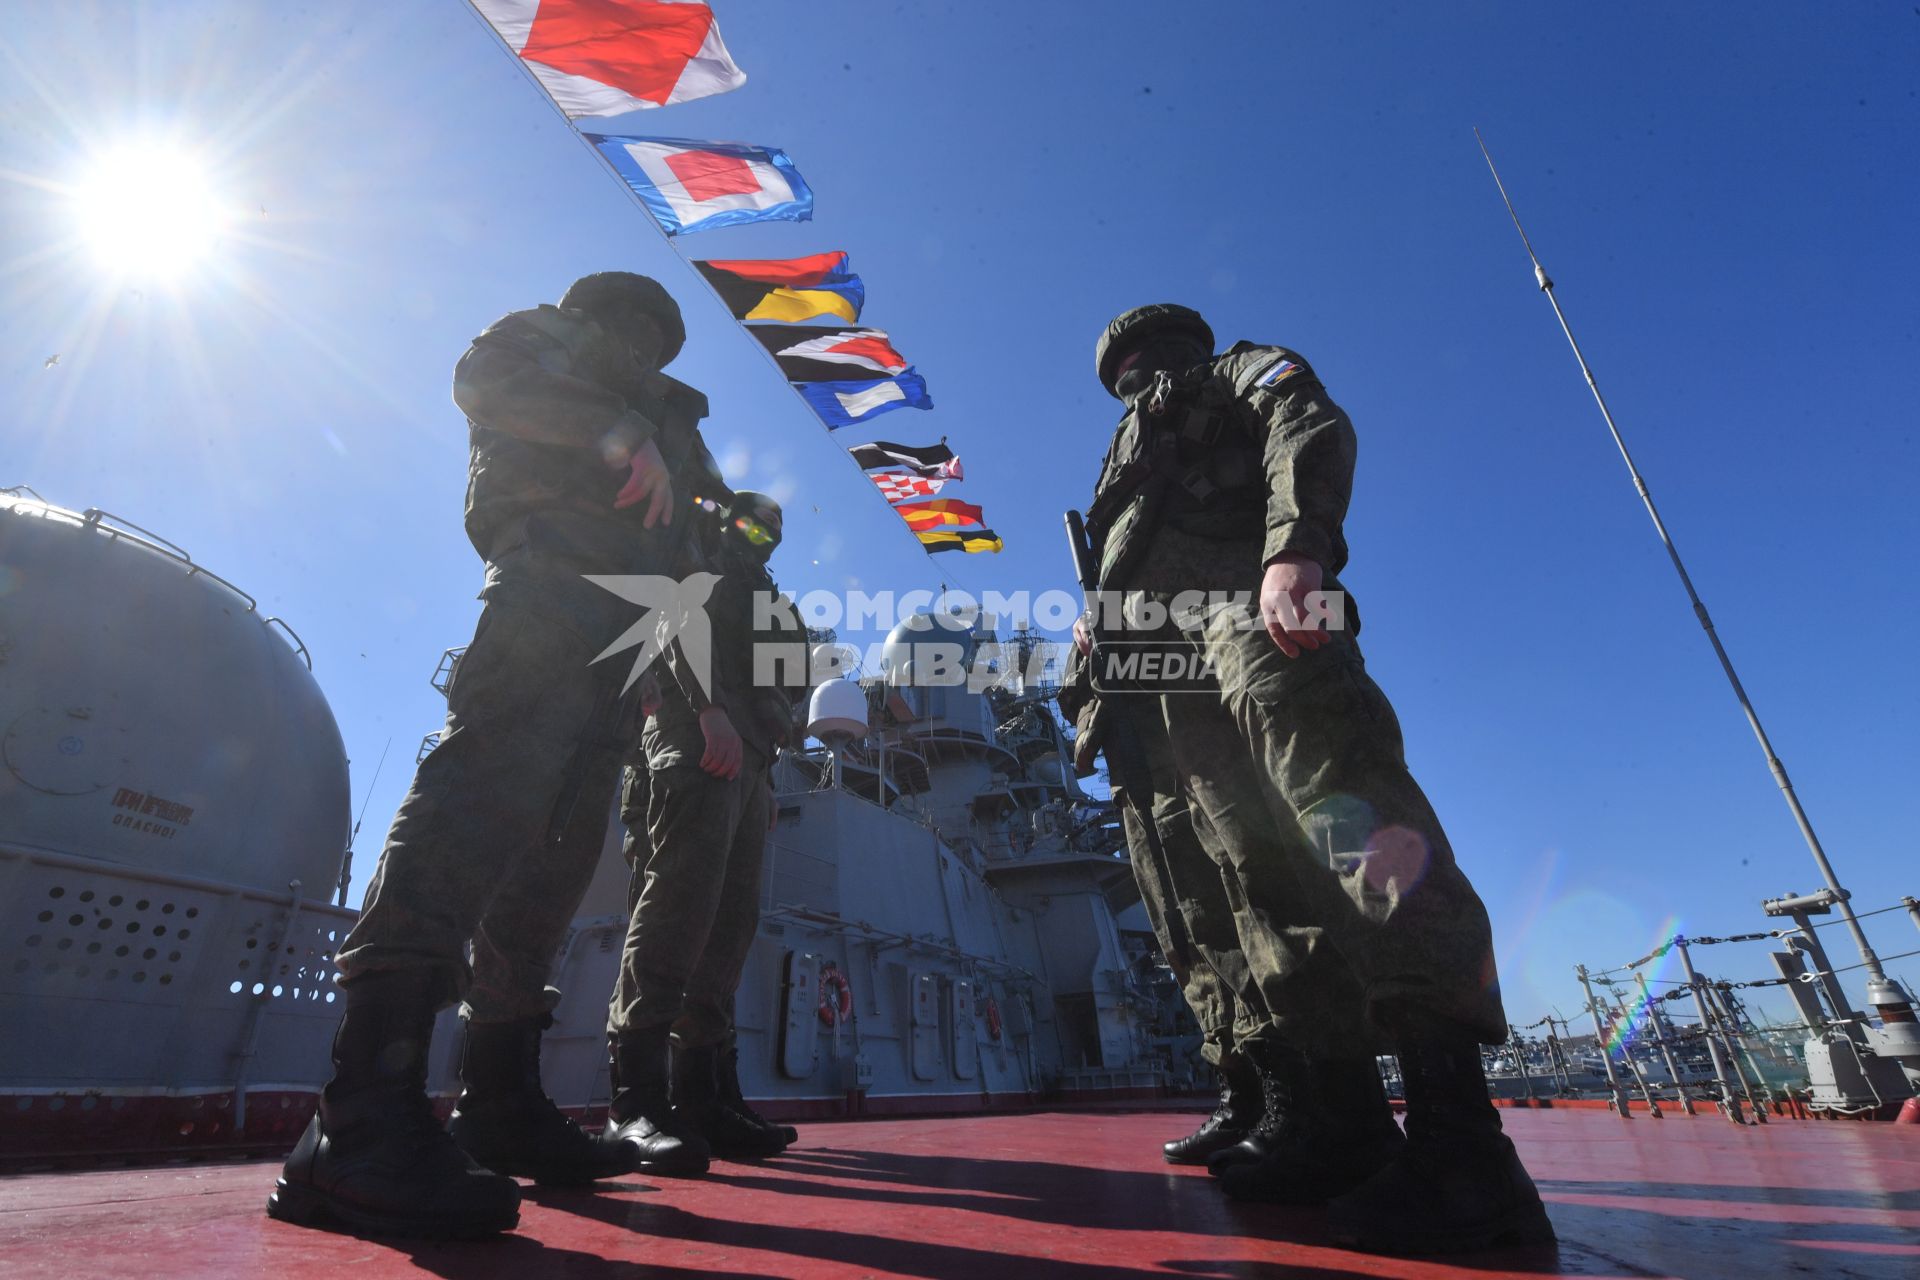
(1182, 885)
(498, 837)
(1357, 922)
(696, 896)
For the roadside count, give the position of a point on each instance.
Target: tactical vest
(1182, 451)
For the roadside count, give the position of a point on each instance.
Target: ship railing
(122, 529)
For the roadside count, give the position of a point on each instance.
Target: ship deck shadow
(1053, 1194)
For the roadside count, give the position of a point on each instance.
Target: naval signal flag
(787, 289)
(608, 57)
(816, 353)
(695, 186)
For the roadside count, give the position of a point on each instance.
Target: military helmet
(1140, 324)
(754, 518)
(612, 296)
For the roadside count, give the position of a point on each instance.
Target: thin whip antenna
(1840, 896)
(346, 863)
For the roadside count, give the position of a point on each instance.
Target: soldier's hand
(1283, 591)
(648, 479)
(1082, 635)
(722, 757)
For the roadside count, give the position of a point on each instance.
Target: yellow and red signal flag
(608, 57)
(787, 289)
(938, 513)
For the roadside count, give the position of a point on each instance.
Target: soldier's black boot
(375, 1159)
(696, 1095)
(728, 1084)
(506, 1121)
(1279, 1076)
(1339, 1132)
(1459, 1184)
(641, 1113)
(1240, 1109)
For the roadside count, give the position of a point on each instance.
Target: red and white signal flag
(608, 57)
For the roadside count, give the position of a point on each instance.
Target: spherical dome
(929, 649)
(151, 717)
(838, 708)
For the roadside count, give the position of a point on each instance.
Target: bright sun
(149, 211)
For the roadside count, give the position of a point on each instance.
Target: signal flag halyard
(608, 57)
(695, 186)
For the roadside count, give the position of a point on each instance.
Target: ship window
(87, 896)
(115, 900)
(233, 988)
(33, 939)
(159, 931)
(48, 915)
(56, 892)
(93, 948)
(142, 905)
(75, 919)
(192, 912)
(165, 978)
(166, 909)
(185, 934)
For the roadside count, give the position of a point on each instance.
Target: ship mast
(1878, 981)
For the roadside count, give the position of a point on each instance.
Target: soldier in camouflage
(1231, 474)
(706, 755)
(577, 439)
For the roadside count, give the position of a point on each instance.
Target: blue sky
(1725, 199)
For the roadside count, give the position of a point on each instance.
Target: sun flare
(149, 211)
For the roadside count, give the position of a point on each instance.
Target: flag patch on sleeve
(1278, 371)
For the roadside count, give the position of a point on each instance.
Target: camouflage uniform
(1181, 885)
(696, 895)
(1251, 459)
(497, 838)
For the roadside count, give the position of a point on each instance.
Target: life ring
(836, 997)
(993, 1018)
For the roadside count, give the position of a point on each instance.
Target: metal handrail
(299, 645)
(97, 519)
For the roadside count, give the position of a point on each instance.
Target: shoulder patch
(1278, 371)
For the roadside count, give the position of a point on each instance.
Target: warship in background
(949, 921)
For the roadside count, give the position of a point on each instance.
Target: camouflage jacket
(549, 398)
(1246, 449)
(756, 670)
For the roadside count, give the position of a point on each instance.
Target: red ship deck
(1060, 1194)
